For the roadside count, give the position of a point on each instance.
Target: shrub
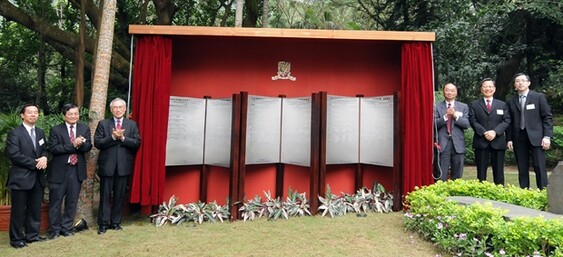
(480, 229)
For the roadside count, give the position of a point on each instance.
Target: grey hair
(117, 100)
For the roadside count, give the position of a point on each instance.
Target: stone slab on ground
(513, 210)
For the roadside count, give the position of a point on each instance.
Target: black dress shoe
(66, 233)
(102, 230)
(18, 244)
(36, 239)
(116, 227)
(53, 236)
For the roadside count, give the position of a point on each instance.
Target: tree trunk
(79, 86)
(98, 103)
(238, 14)
(265, 11)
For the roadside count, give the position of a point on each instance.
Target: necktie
(73, 158)
(489, 105)
(33, 139)
(449, 121)
(118, 124)
(522, 109)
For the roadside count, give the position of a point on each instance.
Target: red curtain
(417, 111)
(151, 97)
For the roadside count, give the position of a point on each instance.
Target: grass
(510, 175)
(375, 235)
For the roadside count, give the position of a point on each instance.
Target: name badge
(530, 106)
(500, 112)
(41, 142)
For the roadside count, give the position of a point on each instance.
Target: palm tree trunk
(98, 101)
(238, 14)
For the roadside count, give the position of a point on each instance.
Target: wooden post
(398, 133)
(235, 159)
(315, 146)
(322, 142)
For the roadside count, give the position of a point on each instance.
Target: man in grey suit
(68, 142)
(450, 120)
(489, 119)
(118, 139)
(530, 131)
(26, 148)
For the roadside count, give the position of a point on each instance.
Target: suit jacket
(61, 148)
(462, 123)
(482, 120)
(19, 147)
(537, 116)
(115, 155)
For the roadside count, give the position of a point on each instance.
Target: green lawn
(510, 175)
(374, 235)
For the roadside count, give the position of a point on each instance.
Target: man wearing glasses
(530, 131)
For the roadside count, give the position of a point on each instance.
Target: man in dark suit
(26, 148)
(531, 131)
(489, 119)
(118, 140)
(450, 120)
(68, 142)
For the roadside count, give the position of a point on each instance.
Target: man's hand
(451, 112)
(490, 135)
(118, 134)
(78, 141)
(41, 163)
(545, 143)
(509, 145)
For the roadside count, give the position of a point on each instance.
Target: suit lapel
(24, 131)
(444, 108)
(66, 132)
(484, 106)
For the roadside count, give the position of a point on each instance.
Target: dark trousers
(69, 190)
(112, 196)
(449, 158)
(523, 150)
(25, 216)
(496, 157)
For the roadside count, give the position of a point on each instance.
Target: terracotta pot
(5, 217)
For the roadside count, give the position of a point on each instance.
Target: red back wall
(221, 66)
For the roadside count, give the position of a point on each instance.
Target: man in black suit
(68, 142)
(118, 140)
(26, 148)
(531, 131)
(489, 119)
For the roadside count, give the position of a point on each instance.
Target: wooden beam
(281, 33)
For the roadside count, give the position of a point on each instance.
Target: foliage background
(39, 40)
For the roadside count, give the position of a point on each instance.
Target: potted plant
(7, 122)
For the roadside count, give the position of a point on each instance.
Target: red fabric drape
(417, 111)
(152, 72)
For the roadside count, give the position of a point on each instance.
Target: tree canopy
(40, 40)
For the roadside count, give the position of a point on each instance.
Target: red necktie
(449, 122)
(73, 158)
(118, 125)
(489, 105)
